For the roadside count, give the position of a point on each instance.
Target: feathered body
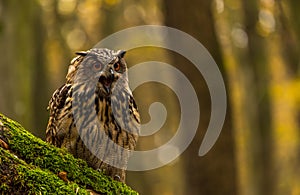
(93, 115)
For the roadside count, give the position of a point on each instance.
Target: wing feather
(56, 108)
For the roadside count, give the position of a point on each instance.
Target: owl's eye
(117, 66)
(97, 67)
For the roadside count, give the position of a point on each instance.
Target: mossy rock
(28, 165)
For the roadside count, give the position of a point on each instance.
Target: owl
(94, 115)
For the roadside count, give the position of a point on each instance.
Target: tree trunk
(22, 69)
(213, 173)
(257, 102)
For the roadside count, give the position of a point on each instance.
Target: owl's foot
(117, 178)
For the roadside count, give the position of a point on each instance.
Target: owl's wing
(134, 110)
(57, 105)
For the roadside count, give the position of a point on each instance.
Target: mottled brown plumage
(93, 115)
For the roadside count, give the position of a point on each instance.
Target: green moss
(41, 162)
(30, 179)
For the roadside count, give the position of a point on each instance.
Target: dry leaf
(63, 175)
(3, 144)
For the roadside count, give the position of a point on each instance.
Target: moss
(36, 165)
(30, 179)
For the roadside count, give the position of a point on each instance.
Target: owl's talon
(117, 178)
(101, 170)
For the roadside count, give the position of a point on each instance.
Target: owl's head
(100, 66)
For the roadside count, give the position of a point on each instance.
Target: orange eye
(97, 66)
(117, 66)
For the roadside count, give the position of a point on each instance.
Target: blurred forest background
(254, 42)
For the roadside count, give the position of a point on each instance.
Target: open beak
(107, 80)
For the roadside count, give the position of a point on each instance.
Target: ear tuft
(121, 53)
(81, 53)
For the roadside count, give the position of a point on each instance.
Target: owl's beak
(107, 80)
